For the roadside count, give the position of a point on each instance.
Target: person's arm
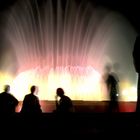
(23, 108)
(15, 101)
(38, 105)
(56, 101)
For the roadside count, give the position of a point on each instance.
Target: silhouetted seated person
(136, 59)
(112, 88)
(64, 105)
(31, 103)
(8, 102)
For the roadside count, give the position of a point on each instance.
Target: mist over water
(57, 44)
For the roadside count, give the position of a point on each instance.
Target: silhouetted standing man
(64, 105)
(31, 103)
(112, 80)
(8, 102)
(136, 59)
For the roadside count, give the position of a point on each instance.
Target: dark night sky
(129, 8)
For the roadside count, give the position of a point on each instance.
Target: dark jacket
(31, 105)
(8, 103)
(64, 105)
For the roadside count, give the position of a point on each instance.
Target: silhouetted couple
(31, 102)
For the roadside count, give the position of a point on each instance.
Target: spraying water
(66, 44)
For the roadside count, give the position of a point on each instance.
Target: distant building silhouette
(8, 102)
(65, 104)
(31, 103)
(136, 59)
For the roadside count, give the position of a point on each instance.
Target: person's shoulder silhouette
(136, 54)
(8, 102)
(65, 103)
(136, 60)
(31, 103)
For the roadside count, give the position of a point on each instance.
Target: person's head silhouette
(6, 88)
(108, 68)
(60, 92)
(33, 89)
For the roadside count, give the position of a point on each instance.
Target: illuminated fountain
(65, 45)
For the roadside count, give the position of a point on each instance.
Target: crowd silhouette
(31, 104)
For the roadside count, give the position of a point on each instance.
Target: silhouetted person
(112, 80)
(31, 103)
(64, 105)
(136, 59)
(8, 102)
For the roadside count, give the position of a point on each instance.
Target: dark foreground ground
(89, 121)
(74, 125)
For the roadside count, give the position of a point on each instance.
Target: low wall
(85, 106)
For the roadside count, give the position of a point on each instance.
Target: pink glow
(67, 49)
